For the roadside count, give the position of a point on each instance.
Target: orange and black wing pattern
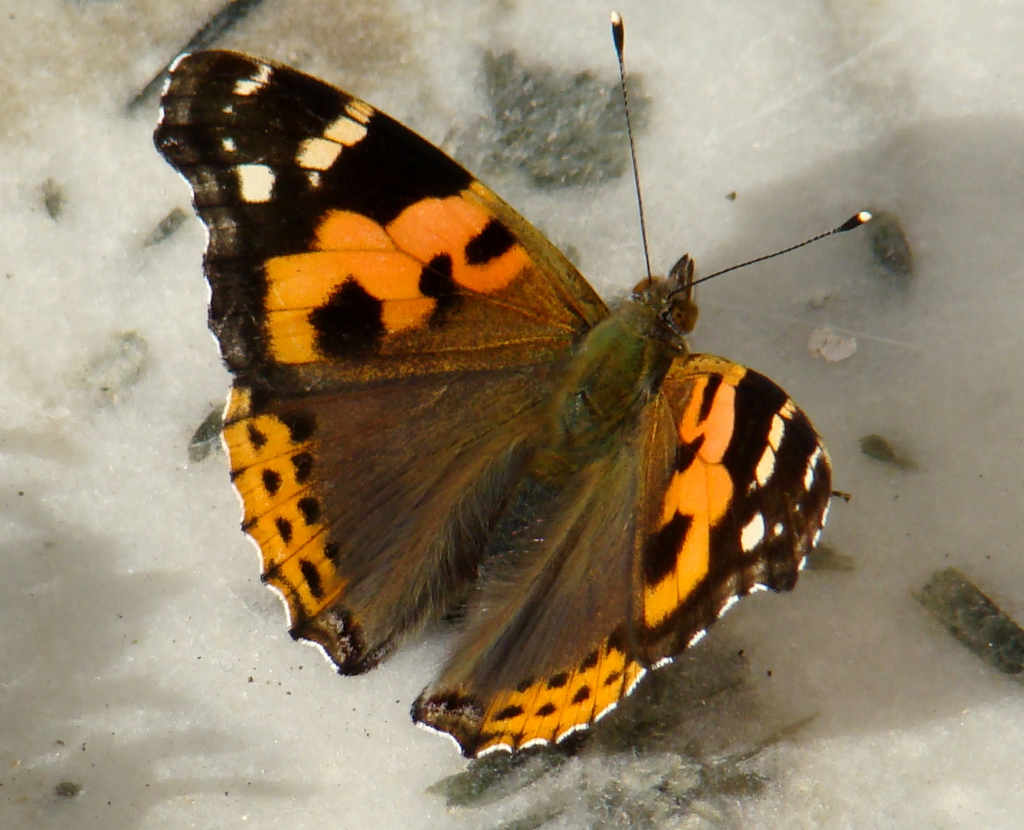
(403, 346)
(390, 324)
(746, 502)
(725, 489)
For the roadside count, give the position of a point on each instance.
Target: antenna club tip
(854, 221)
(618, 31)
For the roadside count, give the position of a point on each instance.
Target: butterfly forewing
(345, 248)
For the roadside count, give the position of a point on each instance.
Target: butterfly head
(672, 300)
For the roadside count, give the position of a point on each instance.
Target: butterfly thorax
(616, 370)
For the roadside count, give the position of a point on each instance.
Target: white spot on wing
(696, 638)
(776, 431)
(729, 603)
(317, 154)
(255, 182)
(228, 144)
(345, 130)
(766, 466)
(812, 462)
(254, 83)
(664, 661)
(752, 533)
(359, 111)
(777, 529)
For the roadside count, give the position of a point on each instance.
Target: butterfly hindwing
(390, 324)
(722, 491)
(549, 646)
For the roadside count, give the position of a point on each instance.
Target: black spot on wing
(708, 398)
(312, 577)
(686, 452)
(558, 680)
(436, 282)
(310, 509)
(436, 277)
(662, 549)
(303, 464)
(509, 712)
(271, 481)
(301, 425)
(581, 694)
(494, 240)
(349, 322)
(332, 550)
(256, 437)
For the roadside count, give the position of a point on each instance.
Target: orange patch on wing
(557, 705)
(398, 315)
(436, 227)
(702, 492)
(299, 283)
(280, 510)
(306, 281)
(386, 263)
(717, 427)
(292, 580)
(345, 230)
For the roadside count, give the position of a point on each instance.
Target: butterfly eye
(684, 316)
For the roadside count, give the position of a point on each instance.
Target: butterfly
(433, 413)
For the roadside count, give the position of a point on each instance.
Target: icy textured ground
(142, 661)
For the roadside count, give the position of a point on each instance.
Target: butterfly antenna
(619, 37)
(854, 221)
